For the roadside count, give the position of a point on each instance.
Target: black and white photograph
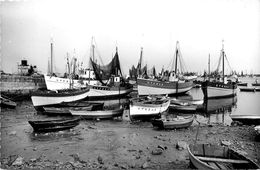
(130, 84)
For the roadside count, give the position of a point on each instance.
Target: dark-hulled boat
(174, 84)
(7, 103)
(247, 89)
(207, 156)
(255, 84)
(247, 119)
(219, 88)
(98, 114)
(173, 123)
(54, 125)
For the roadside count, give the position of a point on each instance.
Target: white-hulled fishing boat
(175, 84)
(146, 108)
(219, 89)
(173, 123)
(48, 98)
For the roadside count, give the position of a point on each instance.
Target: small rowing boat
(53, 125)
(247, 89)
(207, 156)
(99, 114)
(247, 119)
(64, 108)
(173, 123)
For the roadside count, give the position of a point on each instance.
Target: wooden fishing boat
(148, 107)
(173, 123)
(54, 125)
(174, 82)
(49, 98)
(216, 88)
(257, 89)
(7, 103)
(98, 114)
(207, 156)
(247, 119)
(183, 108)
(187, 102)
(247, 89)
(72, 106)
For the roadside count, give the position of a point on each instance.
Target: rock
(34, 149)
(181, 145)
(91, 127)
(157, 151)
(137, 157)
(12, 133)
(145, 165)
(210, 125)
(18, 161)
(123, 167)
(116, 164)
(160, 146)
(226, 143)
(148, 159)
(33, 160)
(100, 159)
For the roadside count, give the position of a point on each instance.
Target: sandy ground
(111, 144)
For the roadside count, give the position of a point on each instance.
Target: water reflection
(218, 110)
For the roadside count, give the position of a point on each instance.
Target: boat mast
(51, 70)
(209, 67)
(176, 60)
(223, 57)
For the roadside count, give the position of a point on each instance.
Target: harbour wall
(19, 87)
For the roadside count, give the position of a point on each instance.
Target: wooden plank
(222, 160)
(222, 166)
(213, 164)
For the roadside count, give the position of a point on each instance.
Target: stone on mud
(145, 165)
(100, 159)
(18, 161)
(181, 145)
(157, 151)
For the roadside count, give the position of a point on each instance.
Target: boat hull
(100, 114)
(218, 90)
(248, 89)
(154, 87)
(50, 98)
(105, 92)
(53, 125)
(6, 103)
(247, 119)
(217, 157)
(174, 123)
(58, 83)
(147, 111)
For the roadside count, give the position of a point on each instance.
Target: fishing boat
(98, 114)
(173, 123)
(64, 108)
(172, 83)
(7, 103)
(183, 108)
(248, 89)
(53, 125)
(148, 107)
(247, 119)
(49, 98)
(207, 156)
(216, 88)
(115, 87)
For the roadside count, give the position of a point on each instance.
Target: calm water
(218, 110)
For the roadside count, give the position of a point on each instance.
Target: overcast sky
(155, 25)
